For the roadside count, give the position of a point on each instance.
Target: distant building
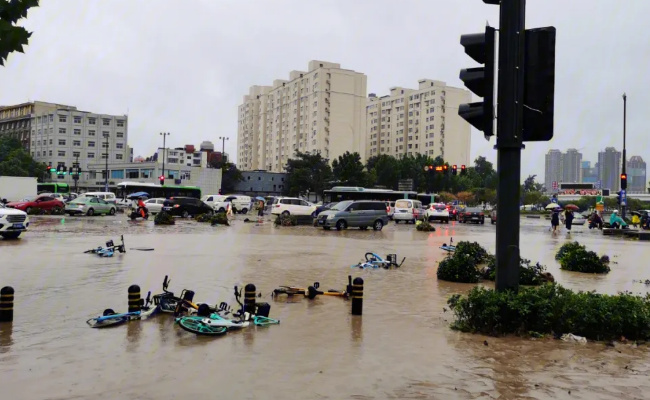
(553, 169)
(609, 169)
(589, 173)
(261, 183)
(571, 167)
(18, 121)
(636, 175)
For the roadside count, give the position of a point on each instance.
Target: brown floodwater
(401, 348)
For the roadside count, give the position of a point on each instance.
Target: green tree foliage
(231, 175)
(16, 161)
(12, 37)
(383, 170)
(307, 172)
(348, 170)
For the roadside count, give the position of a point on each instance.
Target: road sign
(554, 200)
(599, 199)
(554, 185)
(599, 185)
(600, 207)
(623, 198)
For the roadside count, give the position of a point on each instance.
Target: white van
(216, 201)
(108, 197)
(408, 210)
(240, 203)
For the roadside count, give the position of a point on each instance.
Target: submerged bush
(472, 250)
(424, 226)
(213, 219)
(41, 211)
(575, 257)
(286, 220)
(552, 309)
(163, 218)
(458, 268)
(531, 275)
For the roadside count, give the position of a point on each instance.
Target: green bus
(52, 187)
(156, 191)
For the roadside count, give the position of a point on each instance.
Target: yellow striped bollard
(249, 298)
(134, 298)
(6, 304)
(357, 296)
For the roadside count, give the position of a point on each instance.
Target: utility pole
(75, 175)
(223, 149)
(106, 170)
(624, 166)
(164, 135)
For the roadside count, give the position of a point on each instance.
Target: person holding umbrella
(555, 216)
(568, 219)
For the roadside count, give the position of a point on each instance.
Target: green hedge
(213, 219)
(529, 274)
(575, 257)
(163, 218)
(424, 226)
(286, 220)
(552, 309)
(459, 268)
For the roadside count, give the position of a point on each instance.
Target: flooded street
(400, 348)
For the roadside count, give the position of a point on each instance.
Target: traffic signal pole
(509, 140)
(623, 170)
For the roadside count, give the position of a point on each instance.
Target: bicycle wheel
(199, 328)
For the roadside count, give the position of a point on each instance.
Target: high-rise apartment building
(552, 169)
(423, 120)
(636, 175)
(16, 120)
(589, 173)
(571, 167)
(609, 169)
(318, 110)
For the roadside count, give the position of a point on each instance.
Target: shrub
(528, 274)
(424, 226)
(458, 268)
(40, 211)
(576, 257)
(219, 219)
(163, 218)
(203, 217)
(552, 309)
(472, 250)
(286, 220)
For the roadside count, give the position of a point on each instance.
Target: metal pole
(623, 207)
(509, 141)
(164, 152)
(106, 176)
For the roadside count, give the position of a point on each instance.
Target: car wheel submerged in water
(185, 214)
(10, 235)
(378, 225)
(90, 212)
(112, 211)
(340, 225)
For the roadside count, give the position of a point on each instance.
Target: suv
(350, 213)
(293, 206)
(186, 206)
(13, 222)
(437, 212)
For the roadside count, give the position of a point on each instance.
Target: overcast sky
(183, 66)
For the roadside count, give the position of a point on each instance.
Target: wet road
(402, 347)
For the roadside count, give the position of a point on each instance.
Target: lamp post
(106, 168)
(623, 172)
(223, 149)
(164, 135)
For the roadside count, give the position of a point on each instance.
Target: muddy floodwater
(401, 348)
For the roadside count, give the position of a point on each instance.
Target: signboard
(599, 185)
(600, 207)
(623, 198)
(582, 192)
(554, 185)
(599, 199)
(554, 200)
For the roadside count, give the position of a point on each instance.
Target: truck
(14, 188)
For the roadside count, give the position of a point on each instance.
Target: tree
(16, 161)
(348, 170)
(447, 197)
(531, 186)
(383, 170)
(12, 37)
(230, 176)
(533, 197)
(307, 171)
(465, 197)
(487, 176)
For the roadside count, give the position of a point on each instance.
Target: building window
(77, 131)
(51, 117)
(104, 145)
(91, 144)
(104, 156)
(50, 153)
(76, 154)
(120, 123)
(91, 121)
(76, 143)
(120, 134)
(62, 130)
(90, 155)
(106, 122)
(91, 133)
(50, 142)
(121, 146)
(61, 142)
(118, 156)
(63, 118)
(61, 153)
(105, 134)
(77, 120)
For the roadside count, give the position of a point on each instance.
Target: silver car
(350, 213)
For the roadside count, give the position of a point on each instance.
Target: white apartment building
(318, 110)
(423, 120)
(61, 136)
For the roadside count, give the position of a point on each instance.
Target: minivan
(108, 197)
(240, 203)
(351, 213)
(408, 210)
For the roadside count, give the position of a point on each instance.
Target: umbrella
(552, 206)
(571, 207)
(260, 198)
(137, 194)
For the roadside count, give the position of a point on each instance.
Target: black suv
(186, 206)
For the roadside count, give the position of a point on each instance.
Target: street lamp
(164, 135)
(623, 172)
(106, 169)
(223, 149)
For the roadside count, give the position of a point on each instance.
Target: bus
(428, 198)
(154, 190)
(53, 187)
(341, 193)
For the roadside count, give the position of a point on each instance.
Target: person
(260, 210)
(636, 220)
(617, 222)
(142, 209)
(568, 219)
(595, 221)
(555, 220)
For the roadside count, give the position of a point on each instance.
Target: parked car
(44, 202)
(454, 211)
(437, 212)
(154, 205)
(355, 213)
(472, 214)
(240, 204)
(216, 201)
(13, 222)
(90, 206)
(578, 219)
(186, 206)
(109, 197)
(292, 206)
(408, 211)
(390, 209)
(493, 216)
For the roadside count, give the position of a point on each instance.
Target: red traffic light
(623, 176)
(462, 167)
(454, 167)
(445, 167)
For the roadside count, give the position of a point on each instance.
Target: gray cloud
(183, 66)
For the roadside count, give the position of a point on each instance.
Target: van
(216, 201)
(108, 197)
(240, 203)
(408, 210)
(351, 213)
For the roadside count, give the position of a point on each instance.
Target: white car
(408, 211)
(240, 204)
(217, 202)
(578, 219)
(154, 205)
(293, 206)
(13, 222)
(437, 212)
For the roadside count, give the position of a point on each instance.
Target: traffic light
(454, 170)
(480, 46)
(623, 181)
(462, 170)
(619, 197)
(445, 169)
(539, 84)
(161, 178)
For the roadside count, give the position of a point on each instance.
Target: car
(493, 216)
(13, 222)
(186, 206)
(240, 204)
(454, 211)
(154, 205)
(216, 201)
(354, 213)
(321, 208)
(437, 212)
(390, 209)
(408, 210)
(90, 206)
(578, 219)
(43, 202)
(292, 206)
(472, 214)
(109, 197)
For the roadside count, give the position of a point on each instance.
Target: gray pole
(509, 141)
(106, 176)
(623, 207)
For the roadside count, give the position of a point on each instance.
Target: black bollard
(134, 298)
(357, 296)
(249, 298)
(6, 304)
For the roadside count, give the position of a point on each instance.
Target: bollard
(6, 304)
(357, 296)
(134, 298)
(249, 299)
